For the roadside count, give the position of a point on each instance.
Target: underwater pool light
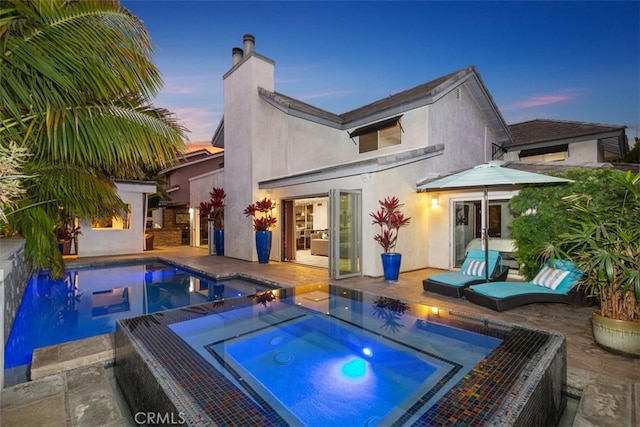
(367, 351)
(354, 368)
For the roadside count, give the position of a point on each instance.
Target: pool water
(319, 359)
(345, 377)
(87, 302)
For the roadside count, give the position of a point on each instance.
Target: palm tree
(76, 80)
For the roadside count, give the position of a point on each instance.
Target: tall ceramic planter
(263, 246)
(211, 245)
(621, 336)
(391, 266)
(218, 239)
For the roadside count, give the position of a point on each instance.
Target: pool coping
(536, 360)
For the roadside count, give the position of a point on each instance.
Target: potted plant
(214, 209)
(390, 219)
(66, 233)
(263, 219)
(604, 242)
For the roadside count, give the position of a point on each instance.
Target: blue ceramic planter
(263, 246)
(218, 240)
(391, 266)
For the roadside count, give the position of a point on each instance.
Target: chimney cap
(248, 37)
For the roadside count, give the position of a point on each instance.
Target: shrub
(541, 213)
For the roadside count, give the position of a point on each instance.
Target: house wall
(98, 242)
(262, 142)
(457, 123)
(584, 152)
(200, 186)
(250, 140)
(181, 177)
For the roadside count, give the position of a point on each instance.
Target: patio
(607, 383)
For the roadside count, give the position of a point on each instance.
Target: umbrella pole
(485, 233)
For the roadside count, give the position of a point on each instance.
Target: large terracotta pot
(620, 336)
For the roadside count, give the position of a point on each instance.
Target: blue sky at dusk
(558, 60)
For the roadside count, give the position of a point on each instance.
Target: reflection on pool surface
(87, 301)
(286, 361)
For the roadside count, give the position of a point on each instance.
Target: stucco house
(567, 142)
(284, 149)
(175, 222)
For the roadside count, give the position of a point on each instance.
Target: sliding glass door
(345, 230)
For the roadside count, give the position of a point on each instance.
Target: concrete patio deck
(608, 384)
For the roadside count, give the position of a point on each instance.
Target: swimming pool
(325, 355)
(87, 301)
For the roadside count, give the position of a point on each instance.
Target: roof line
(371, 165)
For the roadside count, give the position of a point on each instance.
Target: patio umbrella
(487, 175)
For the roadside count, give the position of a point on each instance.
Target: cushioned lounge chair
(554, 283)
(472, 271)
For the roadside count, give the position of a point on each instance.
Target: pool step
(607, 401)
(80, 397)
(71, 355)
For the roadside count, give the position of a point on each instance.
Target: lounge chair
(554, 283)
(472, 271)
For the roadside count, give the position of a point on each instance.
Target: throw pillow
(549, 277)
(475, 268)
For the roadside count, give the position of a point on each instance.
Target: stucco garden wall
(112, 241)
(14, 275)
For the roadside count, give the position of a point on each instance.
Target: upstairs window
(555, 153)
(378, 135)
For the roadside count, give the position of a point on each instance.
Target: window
(550, 157)
(120, 222)
(379, 139)
(378, 135)
(554, 153)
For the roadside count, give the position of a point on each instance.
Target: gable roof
(541, 133)
(203, 156)
(418, 96)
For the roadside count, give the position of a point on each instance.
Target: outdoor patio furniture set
(482, 280)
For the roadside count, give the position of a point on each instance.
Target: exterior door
(345, 231)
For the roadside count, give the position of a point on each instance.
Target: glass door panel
(345, 230)
(467, 225)
(463, 230)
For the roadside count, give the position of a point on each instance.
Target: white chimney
(249, 43)
(236, 55)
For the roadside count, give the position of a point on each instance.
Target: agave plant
(390, 219)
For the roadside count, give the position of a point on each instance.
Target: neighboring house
(287, 150)
(174, 216)
(191, 164)
(118, 235)
(568, 142)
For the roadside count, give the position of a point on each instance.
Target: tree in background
(76, 80)
(633, 155)
(541, 214)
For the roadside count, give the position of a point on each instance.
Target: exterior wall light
(434, 201)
